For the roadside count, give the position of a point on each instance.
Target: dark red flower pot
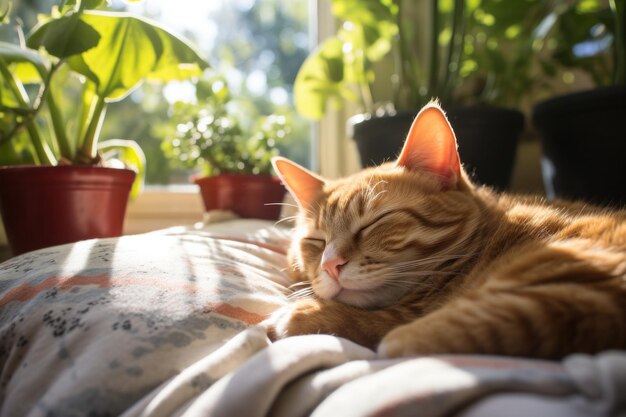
(248, 196)
(45, 206)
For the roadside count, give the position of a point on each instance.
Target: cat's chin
(369, 297)
(357, 298)
(366, 298)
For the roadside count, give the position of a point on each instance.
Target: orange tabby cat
(412, 258)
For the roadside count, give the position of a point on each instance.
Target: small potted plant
(583, 133)
(62, 184)
(235, 161)
(474, 57)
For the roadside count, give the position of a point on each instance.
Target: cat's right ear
(431, 146)
(303, 185)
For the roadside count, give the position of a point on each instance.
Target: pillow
(91, 327)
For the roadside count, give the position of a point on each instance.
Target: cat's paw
(405, 341)
(293, 319)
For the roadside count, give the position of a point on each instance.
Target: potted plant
(468, 58)
(583, 132)
(235, 160)
(62, 184)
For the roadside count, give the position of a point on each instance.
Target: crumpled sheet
(326, 376)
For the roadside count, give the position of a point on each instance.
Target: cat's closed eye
(368, 226)
(315, 241)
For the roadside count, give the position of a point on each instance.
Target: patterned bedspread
(164, 324)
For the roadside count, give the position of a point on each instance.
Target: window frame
(333, 155)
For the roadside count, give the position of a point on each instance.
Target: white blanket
(164, 324)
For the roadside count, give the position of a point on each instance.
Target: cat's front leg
(548, 322)
(479, 323)
(297, 318)
(416, 338)
(313, 316)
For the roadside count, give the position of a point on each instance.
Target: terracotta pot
(248, 196)
(45, 206)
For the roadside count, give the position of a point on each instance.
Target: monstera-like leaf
(130, 50)
(373, 22)
(341, 65)
(320, 79)
(64, 36)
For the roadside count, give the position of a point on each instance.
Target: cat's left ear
(431, 146)
(302, 184)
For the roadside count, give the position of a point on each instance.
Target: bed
(167, 324)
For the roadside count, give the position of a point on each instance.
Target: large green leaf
(65, 36)
(370, 25)
(320, 79)
(26, 73)
(131, 50)
(342, 64)
(5, 9)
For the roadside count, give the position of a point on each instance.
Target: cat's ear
(431, 146)
(303, 185)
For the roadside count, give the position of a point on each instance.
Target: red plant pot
(45, 206)
(248, 196)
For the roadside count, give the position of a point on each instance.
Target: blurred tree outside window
(256, 46)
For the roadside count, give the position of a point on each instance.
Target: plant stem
(58, 124)
(87, 97)
(434, 49)
(43, 153)
(89, 149)
(409, 70)
(59, 128)
(364, 86)
(619, 49)
(455, 49)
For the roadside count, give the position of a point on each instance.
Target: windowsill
(158, 207)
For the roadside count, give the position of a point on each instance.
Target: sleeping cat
(411, 258)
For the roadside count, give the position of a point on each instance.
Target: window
(257, 46)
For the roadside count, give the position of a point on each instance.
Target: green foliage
(500, 58)
(142, 50)
(64, 37)
(113, 51)
(208, 135)
(478, 51)
(5, 8)
(589, 35)
(341, 67)
(126, 152)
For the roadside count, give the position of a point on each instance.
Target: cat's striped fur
(434, 264)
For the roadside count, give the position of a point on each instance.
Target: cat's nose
(333, 267)
(332, 262)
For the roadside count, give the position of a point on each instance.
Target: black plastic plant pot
(584, 145)
(487, 139)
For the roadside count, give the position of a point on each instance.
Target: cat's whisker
(302, 293)
(300, 284)
(282, 204)
(285, 219)
(430, 261)
(425, 273)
